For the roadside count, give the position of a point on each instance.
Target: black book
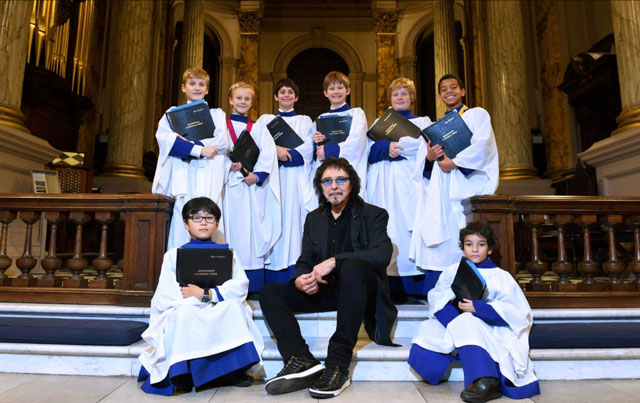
(204, 267)
(468, 283)
(283, 135)
(246, 152)
(335, 128)
(193, 121)
(392, 126)
(451, 133)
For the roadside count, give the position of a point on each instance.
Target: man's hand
(283, 154)
(307, 283)
(447, 164)
(251, 179)
(394, 149)
(435, 152)
(466, 305)
(208, 151)
(192, 290)
(318, 137)
(320, 153)
(236, 166)
(322, 269)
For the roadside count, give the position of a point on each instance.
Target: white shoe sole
(292, 382)
(324, 394)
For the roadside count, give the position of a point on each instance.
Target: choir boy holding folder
(197, 335)
(188, 169)
(293, 136)
(251, 204)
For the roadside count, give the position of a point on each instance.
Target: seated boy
(491, 335)
(196, 336)
(190, 169)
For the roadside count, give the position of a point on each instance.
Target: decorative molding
(385, 22)
(250, 21)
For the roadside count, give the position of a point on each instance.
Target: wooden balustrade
(533, 232)
(141, 225)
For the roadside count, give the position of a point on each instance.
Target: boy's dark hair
(339, 163)
(286, 82)
(199, 204)
(478, 228)
(448, 76)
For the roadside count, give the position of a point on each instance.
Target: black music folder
(283, 135)
(246, 152)
(451, 133)
(335, 128)
(392, 126)
(204, 267)
(468, 283)
(193, 121)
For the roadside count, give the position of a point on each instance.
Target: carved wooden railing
(130, 233)
(567, 251)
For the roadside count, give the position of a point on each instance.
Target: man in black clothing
(345, 253)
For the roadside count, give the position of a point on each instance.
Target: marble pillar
(14, 44)
(555, 106)
(444, 46)
(191, 52)
(385, 26)
(507, 78)
(248, 70)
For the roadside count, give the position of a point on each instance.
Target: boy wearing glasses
(197, 336)
(345, 252)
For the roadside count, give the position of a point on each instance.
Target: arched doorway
(308, 69)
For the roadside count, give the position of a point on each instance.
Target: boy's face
(475, 248)
(204, 229)
(451, 93)
(401, 99)
(337, 93)
(286, 98)
(241, 100)
(195, 89)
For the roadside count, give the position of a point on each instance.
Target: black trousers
(352, 294)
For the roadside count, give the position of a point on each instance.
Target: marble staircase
(371, 362)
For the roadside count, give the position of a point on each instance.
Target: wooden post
(26, 262)
(562, 267)
(102, 263)
(634, 264)
(51, 263)
(613, 267)
(77, 263)
(5, 261)
(537, 267)
(588, 267)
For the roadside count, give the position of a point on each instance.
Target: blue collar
(407, 114)
(239, 118)
(456, 109)
(206, 244)
(286, 114)
(487, 264)
(343, 108)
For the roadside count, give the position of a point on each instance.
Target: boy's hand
(251, 179)
(394, 149)
(236, 166)
(283, 154)
(322, 269)
(307, 283)
(208, 151)
(192, 290)
(447, 164)
(435, 152)
(466, 305)
(320, 153)
(318, 137)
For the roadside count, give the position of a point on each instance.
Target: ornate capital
(385, 22)
(250, 21)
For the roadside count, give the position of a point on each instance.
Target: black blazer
(371, 245)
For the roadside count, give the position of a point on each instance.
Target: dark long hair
(339, 163)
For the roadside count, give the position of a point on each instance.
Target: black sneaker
(299, 372)
(332, 382)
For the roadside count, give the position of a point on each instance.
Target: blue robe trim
(286, 114)
(207, 244)
(202, 370)
(181, 149)
(296, 159)
(430, 365)
(261, 277)
(380, 152)
(419, 284)
(407, 114)
(456, 109)
(486, 312)
(239, 118)
(343, 108)
(262, 176)
(331, 150)
(448, 313)
(428, 168)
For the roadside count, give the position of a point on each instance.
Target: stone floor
(81, 389)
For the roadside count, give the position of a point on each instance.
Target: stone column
(507, 78)
(14, 44)
(555, 106)
(626, 29)
(385, 26)
(444, 46)
(248, 70)
(191, 52)
(130, 57)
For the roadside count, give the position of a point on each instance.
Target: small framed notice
(45, 181)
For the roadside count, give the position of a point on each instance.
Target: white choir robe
(293, 184)
(390, 186)
(439, 216)
(184, 180)
(353, 149)
(507, 345)
(185, 328)
(253, 219)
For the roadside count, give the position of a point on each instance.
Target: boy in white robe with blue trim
(251, 205)
(189, 169)
(294, 176)
(353, 149)
(442, 185)
(390, 186)
(197, 335)
(490, 337)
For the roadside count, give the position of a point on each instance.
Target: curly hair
(480, 229)
(339, 163)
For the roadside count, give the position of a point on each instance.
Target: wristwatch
(206, 297)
